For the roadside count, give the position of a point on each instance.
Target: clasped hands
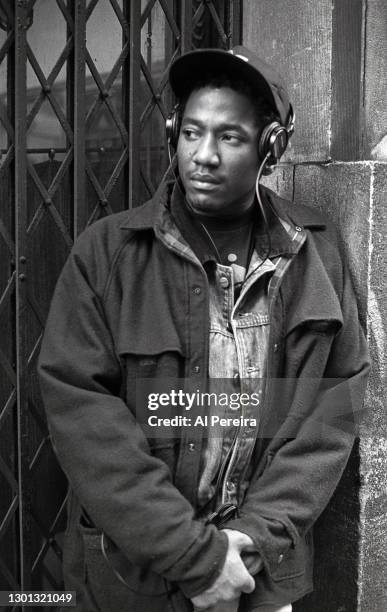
(236, 576)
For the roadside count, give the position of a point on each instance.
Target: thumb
(248, 583)
(238, 539)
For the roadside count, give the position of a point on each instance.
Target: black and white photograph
(193, 230)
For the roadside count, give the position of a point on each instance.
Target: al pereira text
(201, 421)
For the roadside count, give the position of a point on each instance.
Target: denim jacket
(131, 304)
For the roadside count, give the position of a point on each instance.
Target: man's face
(217, 151)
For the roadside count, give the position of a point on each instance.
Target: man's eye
(190, 134)
(231, 138)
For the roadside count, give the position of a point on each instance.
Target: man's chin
(205, 206)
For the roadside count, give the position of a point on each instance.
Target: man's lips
(204, 181)
(204, 178)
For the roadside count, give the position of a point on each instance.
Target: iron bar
(10, 403)
(6, 123)
(105, 93)
(121, 18)
(165, 4)
(7, 238)
(6, 162)
(235, 22)
(38, 313)
(6, 472)
(5, 16)
(171, 43)
(148, 67)
(7, 368)
(116, 172)
(9, 516)
(152, 86)
(90, 7)
(47, 84)
(59, 176)
(186, 26)
(35, 459)
(6, 47)
(10, 288)
(64, 9)
(134, 106)
(80, 209)
(34, 352)
(217, 22)
(21, 25)
(94, 181)
(146, 12)
(117, 66)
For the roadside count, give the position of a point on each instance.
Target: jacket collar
(297, 214)
(150, 214)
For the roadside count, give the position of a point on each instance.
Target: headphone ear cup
(274, 140)
(172, 127)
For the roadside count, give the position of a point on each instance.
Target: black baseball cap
(240, 62)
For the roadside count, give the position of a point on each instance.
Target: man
(216, 284)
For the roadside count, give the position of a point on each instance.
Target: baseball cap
(240, 62)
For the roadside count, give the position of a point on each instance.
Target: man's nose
(206, 153)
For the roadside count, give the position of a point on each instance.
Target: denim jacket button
(224, 282)
(196, 369)
(191, 446)
(197, 290)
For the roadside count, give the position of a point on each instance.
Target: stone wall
(333, 57)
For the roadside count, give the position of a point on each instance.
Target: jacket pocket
(115, 584)
(166, 450)
(271, 450)
(313, 326)
(146, 378)
(296, 561)
(166, 370)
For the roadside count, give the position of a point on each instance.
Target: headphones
(272, 142)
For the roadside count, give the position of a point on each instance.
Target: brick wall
(333, 57)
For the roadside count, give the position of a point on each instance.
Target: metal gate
(83, 102)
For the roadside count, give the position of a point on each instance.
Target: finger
(248, 545)
(245, 541)
(255, 567)
(240, 540)
(253, 562)
(249, 584)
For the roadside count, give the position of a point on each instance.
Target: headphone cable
(262, 207)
